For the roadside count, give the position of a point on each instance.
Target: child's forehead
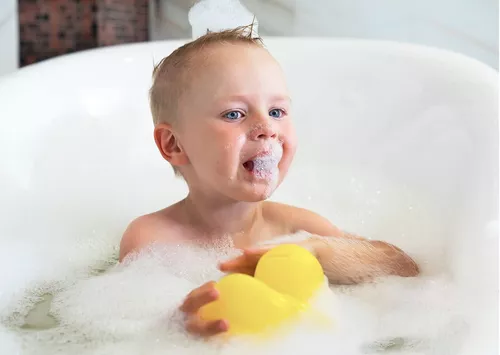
(224, 66)
(229, 53)
(221, 71)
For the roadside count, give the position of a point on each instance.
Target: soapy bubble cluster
(266, 166)
(111, 308)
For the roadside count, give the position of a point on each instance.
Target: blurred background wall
(465, 26)
(34, 30)
(53, 27)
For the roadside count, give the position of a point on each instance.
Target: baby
(223, 120)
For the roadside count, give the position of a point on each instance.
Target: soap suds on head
(218, 15)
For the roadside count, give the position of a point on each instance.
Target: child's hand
(247, 262)
(191, 305)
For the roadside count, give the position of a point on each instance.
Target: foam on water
(132, 307)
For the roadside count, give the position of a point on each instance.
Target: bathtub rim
(389, 46)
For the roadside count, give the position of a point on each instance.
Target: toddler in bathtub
(223, 120)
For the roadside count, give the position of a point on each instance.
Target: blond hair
(168, 74)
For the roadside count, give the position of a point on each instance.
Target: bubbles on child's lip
(266, 167)
(271, 148)
(274, 149)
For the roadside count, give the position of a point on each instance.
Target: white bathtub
(405, 139)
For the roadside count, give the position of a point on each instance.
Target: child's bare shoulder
(300, 219)
(157, 226)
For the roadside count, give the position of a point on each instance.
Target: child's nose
(263, 128)
(263, 131)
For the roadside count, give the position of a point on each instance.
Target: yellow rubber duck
(286, 277)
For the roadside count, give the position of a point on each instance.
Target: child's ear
(169, 146)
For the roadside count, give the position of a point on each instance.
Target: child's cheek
(240, 140)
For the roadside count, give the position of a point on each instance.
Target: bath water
(70, 295)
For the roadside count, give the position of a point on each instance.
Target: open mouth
(263, 165)
(249, 165)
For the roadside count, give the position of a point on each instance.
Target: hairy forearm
(351, 260)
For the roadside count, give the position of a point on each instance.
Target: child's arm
(346, 259)
(350, 260)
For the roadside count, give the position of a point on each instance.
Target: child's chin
(257, 198)
(259, 193)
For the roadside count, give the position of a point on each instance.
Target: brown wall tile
(54, 27)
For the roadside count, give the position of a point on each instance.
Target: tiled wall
(122, 21)
(51, 28)
(48, 28)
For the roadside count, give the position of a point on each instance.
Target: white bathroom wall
(465, 26)
(169, 19)
(9, 37)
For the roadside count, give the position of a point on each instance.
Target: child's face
(234, 123)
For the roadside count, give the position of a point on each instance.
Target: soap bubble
(217, 15)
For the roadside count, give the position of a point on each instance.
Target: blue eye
(233, 115)
(276, 113)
